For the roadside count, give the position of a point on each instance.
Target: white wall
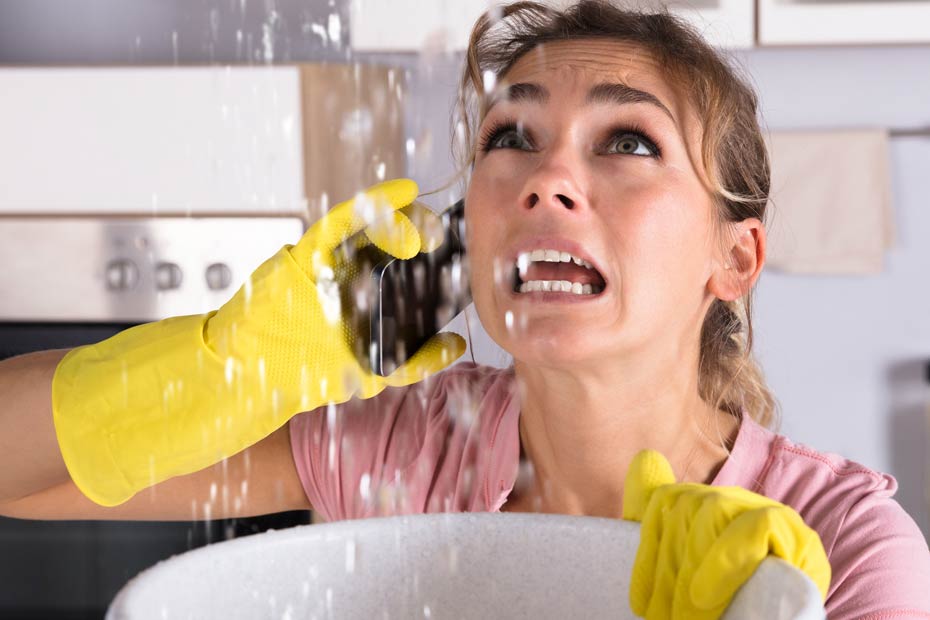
(845, 356)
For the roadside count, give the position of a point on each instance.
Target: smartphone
(395, 305)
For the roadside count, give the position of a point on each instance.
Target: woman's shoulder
(429, 439)
(794, 469)
(877, 553)
(821, 485)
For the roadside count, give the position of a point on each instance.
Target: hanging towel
(830, 202)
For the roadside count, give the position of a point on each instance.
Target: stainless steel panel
(130, 269)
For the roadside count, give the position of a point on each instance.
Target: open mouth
(554, 271)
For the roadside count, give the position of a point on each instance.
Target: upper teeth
(550, 256)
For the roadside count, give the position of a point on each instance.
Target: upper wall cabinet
(421, 25)
(724, 23)
(813, 22)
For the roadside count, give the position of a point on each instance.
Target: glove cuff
(139, 408)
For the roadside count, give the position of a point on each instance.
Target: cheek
(663, 238)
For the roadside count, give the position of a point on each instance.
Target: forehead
(576, 65)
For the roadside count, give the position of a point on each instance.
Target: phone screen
(396, 305)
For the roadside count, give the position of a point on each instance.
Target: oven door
(73, 569)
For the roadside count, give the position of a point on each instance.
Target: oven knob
(121, 275)
(218, 276)
(167, 276)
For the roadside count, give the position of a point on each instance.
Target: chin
(549, 345)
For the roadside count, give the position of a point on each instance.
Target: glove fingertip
(428, 224)
(396, 235)
(648, 471)
(398, 192)
(438, 353)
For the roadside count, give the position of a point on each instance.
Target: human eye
(631, 140)
(507, 134)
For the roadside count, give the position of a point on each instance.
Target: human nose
(553, 184)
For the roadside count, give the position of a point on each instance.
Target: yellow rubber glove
(700, 543)
(175, 396)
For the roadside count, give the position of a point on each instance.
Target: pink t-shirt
(451, 444)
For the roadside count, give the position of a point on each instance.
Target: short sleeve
(880, 562)
(353, 459)
(447, 444)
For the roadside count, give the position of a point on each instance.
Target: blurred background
(153, 152)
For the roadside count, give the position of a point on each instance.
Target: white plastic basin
(464, 565)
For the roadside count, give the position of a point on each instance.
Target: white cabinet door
(151, 140)
(420, 25)
(724, 23)
(413, 25)
(805, 22)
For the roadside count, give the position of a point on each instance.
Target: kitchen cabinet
(444, 25)
(724, 23)
(807, 22)
(208, 140)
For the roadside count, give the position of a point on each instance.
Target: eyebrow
(605, 92)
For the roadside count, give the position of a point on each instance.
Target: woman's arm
(259, 480)
(34, 482)
(30, 460)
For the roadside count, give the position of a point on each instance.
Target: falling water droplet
(335, 29)
(364, 487)
(319, 31)
(262, 375)
(267, 43)
(331, 454)
(489, 79)
(508, 319)
(228, 371)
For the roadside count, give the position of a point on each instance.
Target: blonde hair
(733, 152)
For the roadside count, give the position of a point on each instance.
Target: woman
(611, 150)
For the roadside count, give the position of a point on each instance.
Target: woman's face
(586, 151)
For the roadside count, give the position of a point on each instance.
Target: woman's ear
(741, 261)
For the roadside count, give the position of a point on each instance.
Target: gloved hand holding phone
(172, 397)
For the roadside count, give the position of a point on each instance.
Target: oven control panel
(103, 269)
